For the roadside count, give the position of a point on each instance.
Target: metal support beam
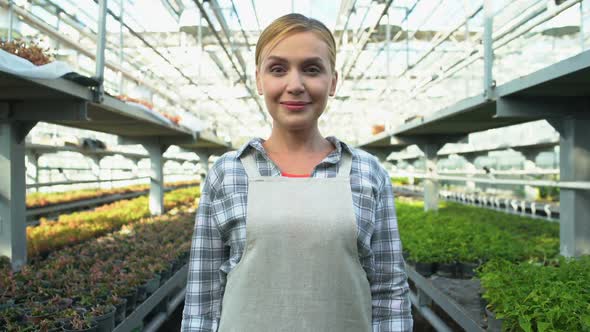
(488, 50)
(470, 168)
(100, 47)
(156, 177)
(33, 159)
(574, 209)
(380, 152)
(536, 107)
(95, 165)
(204, 160)
(10, 20)
(530, 193)
(12, 194)
(48, 110)
(430, 151)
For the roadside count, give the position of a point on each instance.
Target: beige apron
(300, 269)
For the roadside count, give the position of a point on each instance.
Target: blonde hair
(289, 24)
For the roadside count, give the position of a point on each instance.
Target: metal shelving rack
(163, 302)
(558, 93)
(26, 101)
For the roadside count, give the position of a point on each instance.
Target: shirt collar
(332, 158)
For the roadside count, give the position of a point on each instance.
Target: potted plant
(120, 305)
(104, 316)
(78, 322)
(40, 311)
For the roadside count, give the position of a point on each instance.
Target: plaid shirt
(220, 235)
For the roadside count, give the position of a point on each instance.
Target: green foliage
(82, 226)
(539, 297)
(400, 181)
(525, 282)
(469, 234)
(549, 193)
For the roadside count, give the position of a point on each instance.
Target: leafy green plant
(539, 297)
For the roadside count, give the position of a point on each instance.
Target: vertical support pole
(95, 168)
(407, 38)
(34, 160)
(582, 44)
(470, 167)
(57, 26)
(388, 44)
(530, 193)
(135, 168)
(200, 46)
(430, 151)
(488, 51)
(204, 160)
(121, 54)
(10, 20)
(467, 51)
(574, 145)
(12, 194)
(100, 47)
(156, 177)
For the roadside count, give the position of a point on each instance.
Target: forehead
(299, 46)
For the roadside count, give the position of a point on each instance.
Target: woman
(296, 232)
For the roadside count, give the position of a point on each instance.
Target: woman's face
(296, 79)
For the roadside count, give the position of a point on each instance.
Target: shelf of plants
(547, 211)
(98, 268)
(482, 261)
(51, 204)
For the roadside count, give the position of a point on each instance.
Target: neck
(293, 142)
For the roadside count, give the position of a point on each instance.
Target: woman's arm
(389, 286)
(204, 291)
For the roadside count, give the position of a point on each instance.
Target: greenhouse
(313, 165)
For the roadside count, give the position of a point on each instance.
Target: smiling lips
(294, 105)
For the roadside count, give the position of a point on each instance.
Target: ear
(334, 82)
(258, 83)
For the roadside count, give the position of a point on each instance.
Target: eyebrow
(308, 60)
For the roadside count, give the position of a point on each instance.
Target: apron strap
(250, 166)
(345, 164)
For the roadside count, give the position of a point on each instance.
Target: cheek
(319, 88)
(271, 87)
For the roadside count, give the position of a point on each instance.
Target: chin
(297, 125)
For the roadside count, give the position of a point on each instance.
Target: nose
(295, 83)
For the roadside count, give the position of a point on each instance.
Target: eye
(276, 69)
(313, 70)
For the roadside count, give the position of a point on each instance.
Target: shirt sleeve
(204, 291)
(389, 286)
